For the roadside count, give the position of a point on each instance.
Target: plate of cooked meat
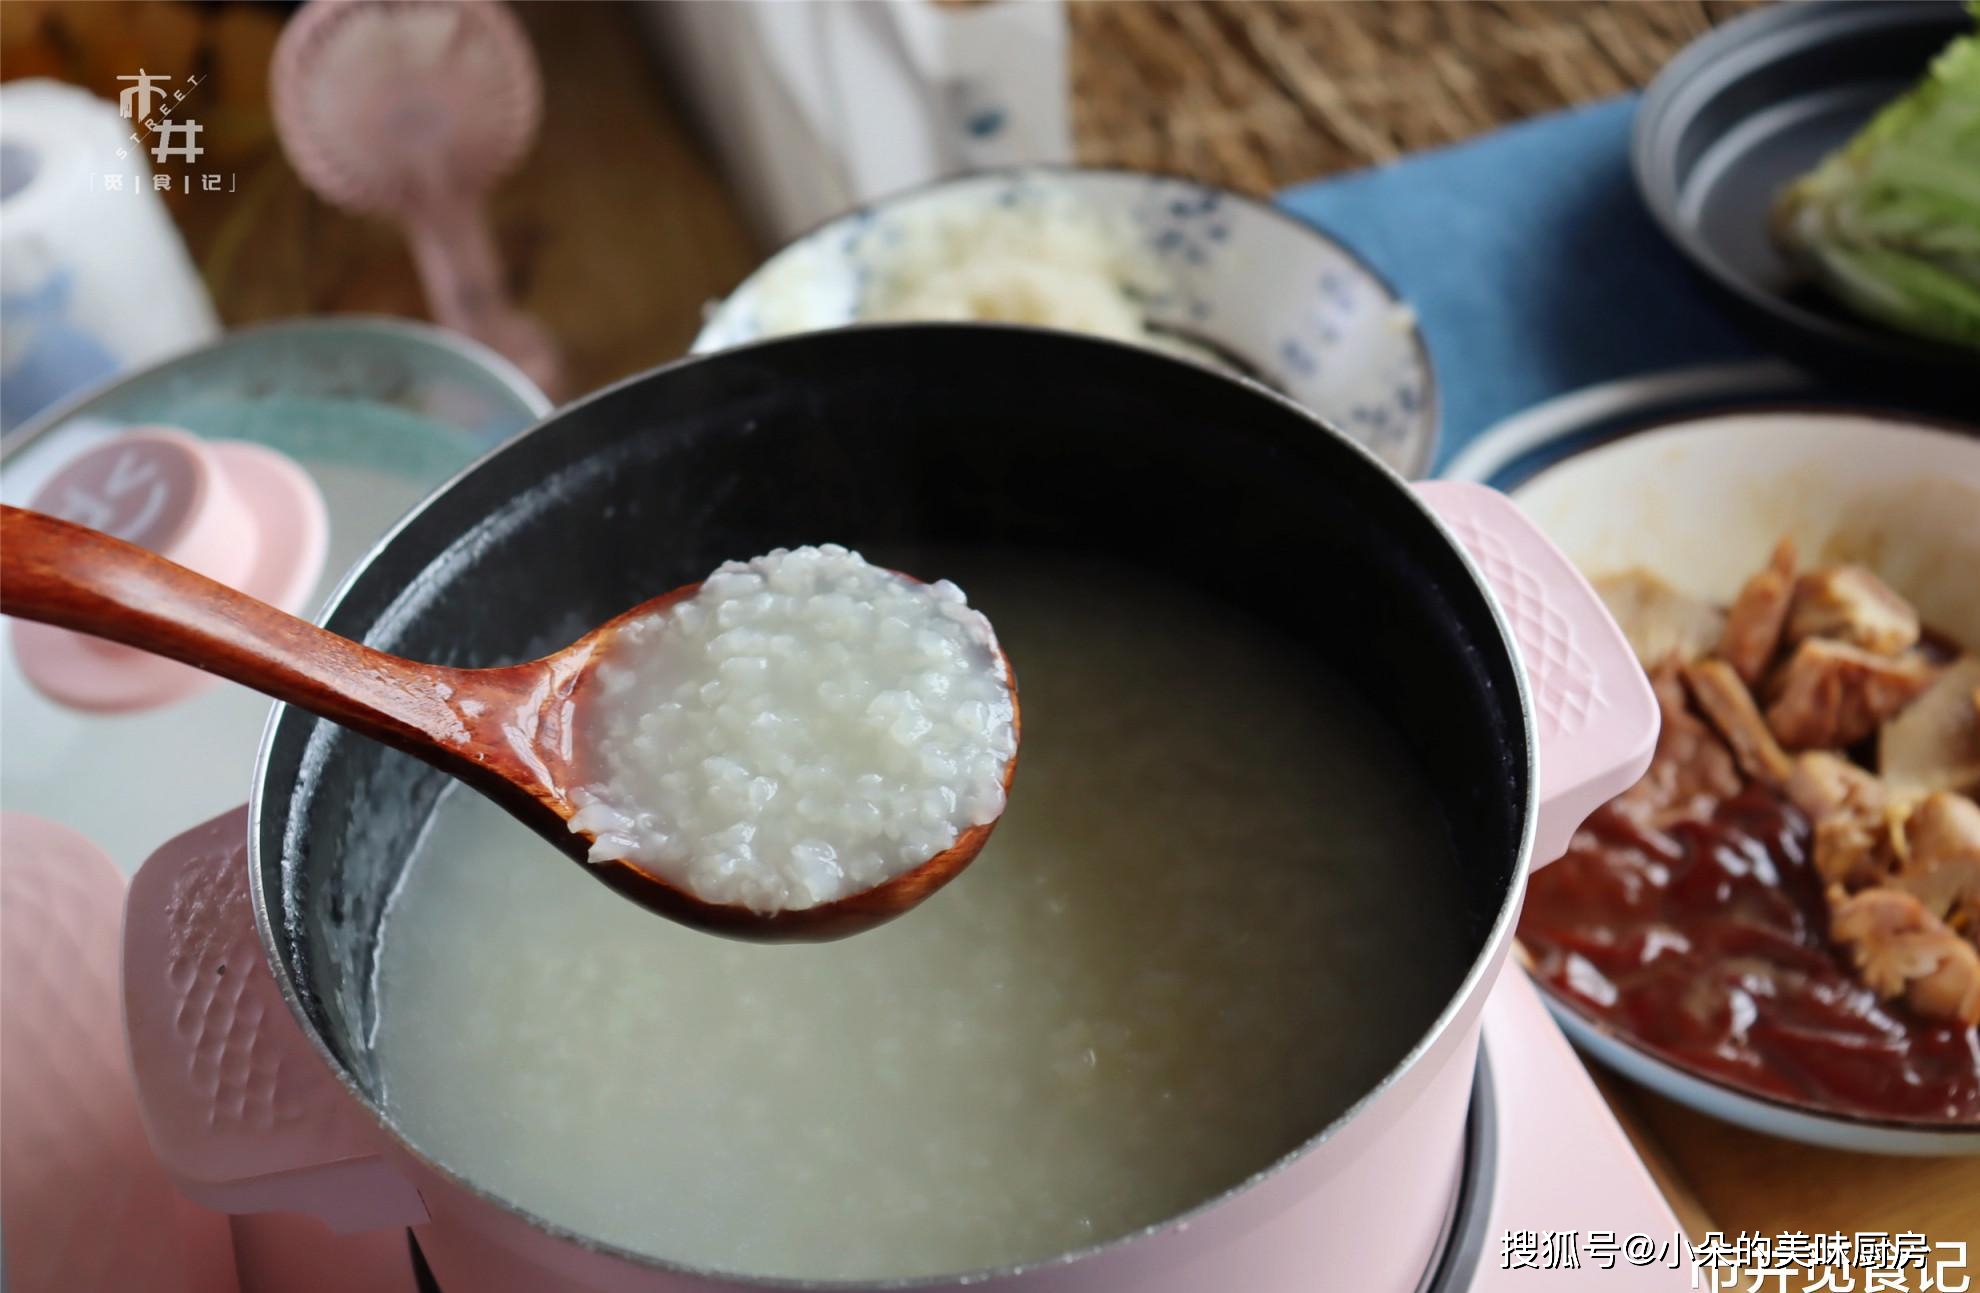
(1780, 924)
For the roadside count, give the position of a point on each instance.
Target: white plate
(1250, 282)
(1701, 502)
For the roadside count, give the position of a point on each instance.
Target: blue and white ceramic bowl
(1242, 283)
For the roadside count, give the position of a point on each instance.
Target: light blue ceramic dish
(377, 411)
(1247, 284)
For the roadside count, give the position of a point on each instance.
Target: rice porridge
(1215, 913)
(804, 727)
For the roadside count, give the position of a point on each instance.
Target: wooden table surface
(1724, 1178)
(617, 230)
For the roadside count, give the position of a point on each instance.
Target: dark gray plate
(1744, 110)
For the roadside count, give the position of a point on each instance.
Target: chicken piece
(1854, 845)
(1729, 705)
(1755, 619)
(1942, 860)
(1850, 604)
(1854, 849)
(1692, 769)
(1934, 742)
(1824, 782)
(1831, 694)
(1901, 949)
(1658, 620)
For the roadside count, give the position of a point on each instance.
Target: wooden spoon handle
(82, 579)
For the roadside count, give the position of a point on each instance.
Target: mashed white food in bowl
(1046, 258)
(805, 727)
(1054, 263)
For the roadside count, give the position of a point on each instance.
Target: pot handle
(1594, 711)
(242, 1111)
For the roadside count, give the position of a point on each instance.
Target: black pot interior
(885, 439)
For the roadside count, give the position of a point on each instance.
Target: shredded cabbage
(1889, 224)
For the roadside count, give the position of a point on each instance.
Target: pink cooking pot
(249, 941)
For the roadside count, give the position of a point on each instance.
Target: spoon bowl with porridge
(800, 747)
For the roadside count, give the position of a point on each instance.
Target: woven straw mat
(1258, 94)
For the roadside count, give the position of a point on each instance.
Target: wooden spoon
(507, 732)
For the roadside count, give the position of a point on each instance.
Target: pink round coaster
(236, 512)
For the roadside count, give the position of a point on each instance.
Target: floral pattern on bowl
(1245, 285)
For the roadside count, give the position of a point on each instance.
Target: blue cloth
(1531, 262)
